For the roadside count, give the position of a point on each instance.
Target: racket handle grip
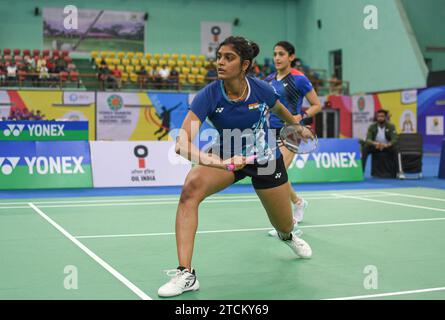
(231, 167)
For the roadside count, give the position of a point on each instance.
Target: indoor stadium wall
(373, 60)
(428, 26)
(172, 26)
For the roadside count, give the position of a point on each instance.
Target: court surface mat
(367, 244)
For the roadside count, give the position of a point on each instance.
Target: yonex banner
(43, 130)
(46, 164)
(137, 164)
(335, 160)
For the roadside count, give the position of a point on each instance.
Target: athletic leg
(288, 156)
(277, 205)
(200, 183)
(298, 203)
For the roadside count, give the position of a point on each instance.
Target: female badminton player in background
(235, 102)
(292, 86)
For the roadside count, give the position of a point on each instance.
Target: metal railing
(93, 81)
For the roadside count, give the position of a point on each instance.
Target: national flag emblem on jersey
(254, 106)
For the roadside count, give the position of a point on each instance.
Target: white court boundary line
(414, 196)
(258, 229)
(392, 203)
(220, 197)
(95, 257)
(389, 294)
(175, 201)
(217, 199)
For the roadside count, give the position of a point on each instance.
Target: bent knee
(193, 190)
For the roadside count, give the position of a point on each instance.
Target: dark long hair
(247, 50)
(290, 49)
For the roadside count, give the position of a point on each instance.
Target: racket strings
(298, 139)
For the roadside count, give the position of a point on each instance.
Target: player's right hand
(235, 163)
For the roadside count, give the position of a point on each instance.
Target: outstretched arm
(186, 148)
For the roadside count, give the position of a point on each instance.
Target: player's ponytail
(255, 49)
(247, 50)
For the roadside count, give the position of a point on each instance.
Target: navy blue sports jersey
(292, 90)
(249, 116)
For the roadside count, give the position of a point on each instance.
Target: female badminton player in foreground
(233, 102)
(292, 86)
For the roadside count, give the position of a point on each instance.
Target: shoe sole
(195, 287)
(275, 235)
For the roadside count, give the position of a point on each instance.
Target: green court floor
(118, 247)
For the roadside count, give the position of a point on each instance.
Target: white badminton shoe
(298, 209)
(182, 281)
(300, 247)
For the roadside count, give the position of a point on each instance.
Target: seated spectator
(39, 115)
(211, 73)
(314, 79)
(60, 65)
(299, 65)
(266, 69)
(104, 76)
(174, 78)
(11, 72)
(30, 67)
(335, 85)
(164, 73)
(41, 61)
(53, 76)
(26, 115)
(256, 71)
(117, 75)
(30, 62)
(156, 77)
(22, 72)
(143, 77)
(44, 74)
(2, 73)
(381, 138)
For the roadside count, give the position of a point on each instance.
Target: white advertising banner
(212, 34)
(114, 120)
(409, 96)
(434, 125)
(362, 115)
(137, 164)
(5, 104)
(79, 98)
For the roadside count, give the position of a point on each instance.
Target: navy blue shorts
(270, 175)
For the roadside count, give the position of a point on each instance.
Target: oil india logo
(115, 102)
(7, 165)
(141, 152)
(13, 129)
